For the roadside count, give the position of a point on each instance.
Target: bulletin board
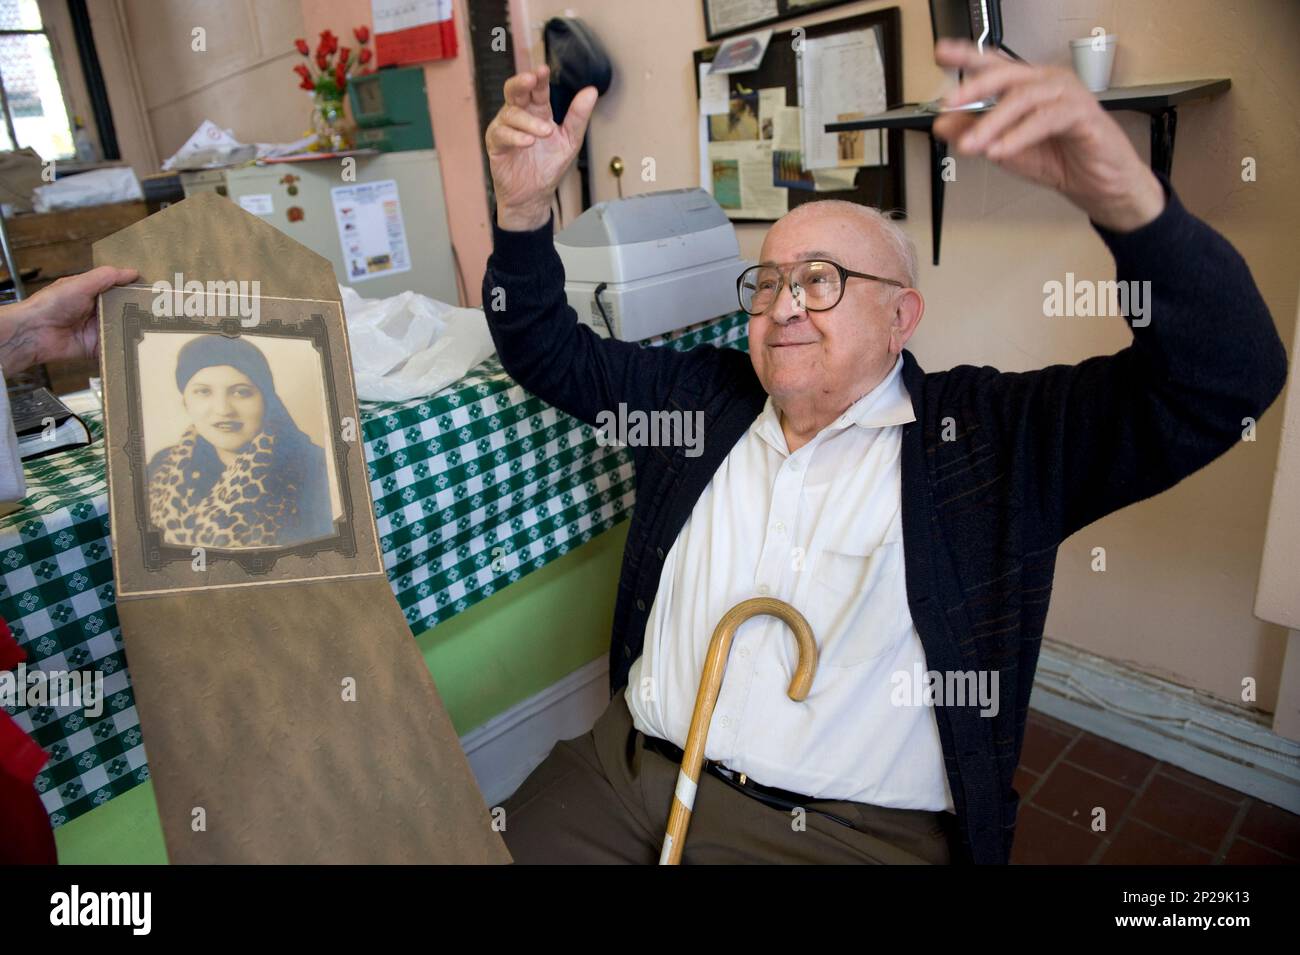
(881, 185)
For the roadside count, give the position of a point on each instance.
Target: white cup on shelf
(1094, 56)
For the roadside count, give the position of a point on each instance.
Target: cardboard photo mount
(258, 751)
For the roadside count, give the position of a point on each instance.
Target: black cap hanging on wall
(577, 60)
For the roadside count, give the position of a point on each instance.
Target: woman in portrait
(243, 474)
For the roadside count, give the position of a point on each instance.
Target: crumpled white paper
(211, 147)
(410, 345)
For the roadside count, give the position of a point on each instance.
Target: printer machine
(653, 263)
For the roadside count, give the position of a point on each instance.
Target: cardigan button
(640, 604)
(659, 552)
(627, 651)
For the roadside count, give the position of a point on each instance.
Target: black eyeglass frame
(845, 275)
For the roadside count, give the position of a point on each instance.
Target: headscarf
(206, 351)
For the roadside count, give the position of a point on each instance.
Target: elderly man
(912, 517)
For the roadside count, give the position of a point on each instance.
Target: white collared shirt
(821, 529)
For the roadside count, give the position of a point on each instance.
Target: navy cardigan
(1031, 458)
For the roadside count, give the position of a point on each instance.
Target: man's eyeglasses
(819, 283)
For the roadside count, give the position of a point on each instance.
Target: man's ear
(908, 307)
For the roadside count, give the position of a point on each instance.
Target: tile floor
(1156, 812)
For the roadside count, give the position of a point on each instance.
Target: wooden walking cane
(715, 663)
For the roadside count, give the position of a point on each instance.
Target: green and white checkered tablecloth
(474, 487)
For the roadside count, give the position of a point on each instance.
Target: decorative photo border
(255, 561)
(144, 563)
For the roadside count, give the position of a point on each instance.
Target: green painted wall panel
(519, 641)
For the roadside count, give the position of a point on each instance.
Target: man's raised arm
(1205, 357)
(538, 337)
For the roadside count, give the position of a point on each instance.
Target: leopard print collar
(248, 505)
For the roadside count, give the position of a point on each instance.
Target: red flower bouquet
(334, 64)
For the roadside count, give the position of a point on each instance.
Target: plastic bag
(410, 345)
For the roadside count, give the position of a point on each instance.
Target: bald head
(893, 254)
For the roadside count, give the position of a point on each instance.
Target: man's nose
(788, 307)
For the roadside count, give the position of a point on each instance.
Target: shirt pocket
(857, 598)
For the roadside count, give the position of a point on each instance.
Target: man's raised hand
(528, 153)
(1047, 127)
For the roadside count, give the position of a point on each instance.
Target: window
(30, 94)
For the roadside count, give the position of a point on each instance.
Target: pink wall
(1179, 602)
(454, 113)
(1178, 599)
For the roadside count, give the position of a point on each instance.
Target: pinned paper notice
(371, 233)
(259, 204)
(741, 53)
(715, 94)
(835, 180)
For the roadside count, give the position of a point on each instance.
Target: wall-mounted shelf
(1159, 101)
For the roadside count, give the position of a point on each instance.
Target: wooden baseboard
(1232, 745)
(505, 749)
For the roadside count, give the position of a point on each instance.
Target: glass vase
(329, 121)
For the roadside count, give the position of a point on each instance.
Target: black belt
(768, 795)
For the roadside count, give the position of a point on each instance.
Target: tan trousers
(603, 798)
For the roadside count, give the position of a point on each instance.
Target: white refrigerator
(380, 220)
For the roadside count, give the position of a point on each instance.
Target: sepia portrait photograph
(231, 459)
(237, 441)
